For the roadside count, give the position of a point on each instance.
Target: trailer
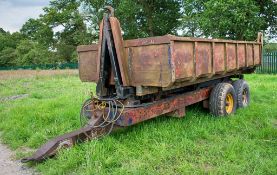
(145, 78)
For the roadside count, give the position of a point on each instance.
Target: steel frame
(175, 104)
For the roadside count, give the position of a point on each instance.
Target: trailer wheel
(243, 93)
(223, 100)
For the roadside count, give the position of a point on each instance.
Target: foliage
(268, 13)
(234, 19)
(141, 18)
(192, 10)
(8, 56)
(152, 17)
(2, 31)
(32, 53)
(35, 29)
(270, 47)
(8, 40)
(8, 48)
(66, 14)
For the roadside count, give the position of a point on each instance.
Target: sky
(14, 13)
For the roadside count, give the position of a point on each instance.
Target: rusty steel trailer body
(168, 62)
(144, 78)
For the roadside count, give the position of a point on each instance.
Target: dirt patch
(14, 97)
(207, 167)
(274, 123)
(12, 74)
(9, 166)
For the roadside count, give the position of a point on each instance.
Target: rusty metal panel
(231, 57)
(183, 60)
(132, 116)
(241, 55)
(203, 59)
(257, 59)
(148, 41)
(149, 65)
(88, 62)
(99, 45)
(192, 39)
(119, 46)
(250, 55)
(169, 61)
(219, 65)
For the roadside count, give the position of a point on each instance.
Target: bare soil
(9, 166)
(14, 97)
(11, 74)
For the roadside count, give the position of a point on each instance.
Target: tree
(29, 53)
(37, 30)
(234, 19)
(158, 17)
(38, 55)
(9, 40)
(7, 56)
(2, 31)
(270, 47)
(8, 44)
(65, 16)
(268, 12)
(191, 10)
(140, 18)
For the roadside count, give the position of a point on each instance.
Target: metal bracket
(108, 63)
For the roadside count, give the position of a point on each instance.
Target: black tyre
(243, 93)
(223, 100)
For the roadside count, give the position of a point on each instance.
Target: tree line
(65, 24)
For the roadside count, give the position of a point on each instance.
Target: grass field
(245, 143)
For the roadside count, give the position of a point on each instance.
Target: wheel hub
(229, 103)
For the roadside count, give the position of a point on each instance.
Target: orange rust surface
(119, 46)
(219, 66)
(166, 60)
(88, 62)
(241, 55)
(182, 57)
(231, 57)
(135, 115)
(203, 59)
(149, 65)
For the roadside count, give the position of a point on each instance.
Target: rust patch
(231, 57)
(241, 55)
(219, 58)
(149, 66)
(88, 62)
(250, 55)
(135, 115)
(119, 46)
(183, 60)
(203, 59)
(257, 59)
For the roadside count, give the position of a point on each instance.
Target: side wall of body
(197, 59)
(168, 62)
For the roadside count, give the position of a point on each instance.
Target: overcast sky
(14, 13)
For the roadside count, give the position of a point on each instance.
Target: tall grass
(244, 143)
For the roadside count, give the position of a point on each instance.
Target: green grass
(245, 143)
